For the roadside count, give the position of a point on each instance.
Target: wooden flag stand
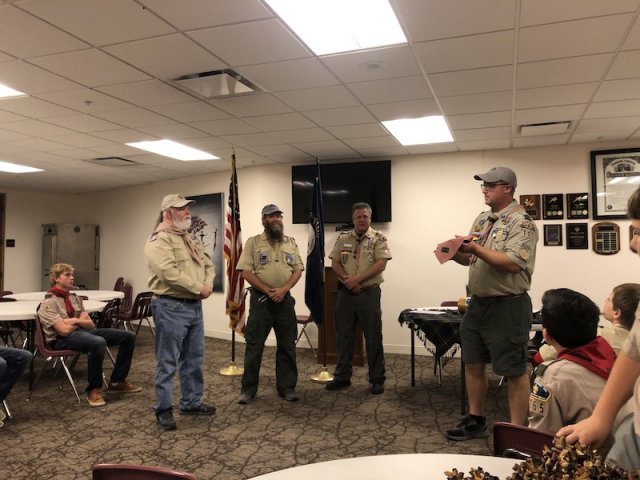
(232, 370)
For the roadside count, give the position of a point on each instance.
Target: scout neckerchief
(58, 292)
(186, 236)
(596, 356)
(491, 220)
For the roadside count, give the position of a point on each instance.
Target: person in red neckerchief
(566, 390)
(67, 326)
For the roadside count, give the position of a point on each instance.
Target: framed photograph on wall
(553, 235)
(615, 174)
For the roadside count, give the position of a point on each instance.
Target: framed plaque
(577, 236)
(531, 204)
(553, 235)
(614, 174)
(552, 206)
(577, 206)
(605, 238)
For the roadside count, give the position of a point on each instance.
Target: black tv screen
(343, 184)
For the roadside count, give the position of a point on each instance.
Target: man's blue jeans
(179, 345)
(13, 361)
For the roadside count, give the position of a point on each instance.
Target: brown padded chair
(119, 284)
(516, 441)
(49, 354)
(110, 471)
(140, 311)
(125, 303)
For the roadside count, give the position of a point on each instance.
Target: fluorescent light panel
(334, 26)
(6, 92)
(169, 148)
(15, 168)
(419, 131)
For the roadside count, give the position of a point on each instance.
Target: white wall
(434, 197)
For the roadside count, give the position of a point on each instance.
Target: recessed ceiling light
(6, 92)
(334, 26)
(15, 168)
(169, 148)
(419, 131)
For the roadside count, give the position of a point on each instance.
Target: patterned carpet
(52, 437)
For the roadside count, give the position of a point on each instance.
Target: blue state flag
(314, 280)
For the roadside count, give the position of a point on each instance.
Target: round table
(100, 295)
(26, 310)
(394, 467)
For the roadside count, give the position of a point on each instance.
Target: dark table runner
(440, 332)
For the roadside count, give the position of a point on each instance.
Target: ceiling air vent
(217, 83)
(112, 162)
(548, 128)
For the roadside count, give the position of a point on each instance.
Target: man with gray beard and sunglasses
(181, 277)
(271, 263)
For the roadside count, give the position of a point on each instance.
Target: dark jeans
(94, 343)
(263, 316)
(363, 309)
(13, 361)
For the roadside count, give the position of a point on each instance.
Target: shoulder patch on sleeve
(539, 391)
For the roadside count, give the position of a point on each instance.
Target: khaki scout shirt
(173, 271)
(272, 262)
(515, 234)
(52, 310)
(631, 349)
(357, 254)
(615, 335)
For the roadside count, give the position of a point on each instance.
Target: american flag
(232, 250)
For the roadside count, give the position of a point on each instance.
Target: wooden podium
(329, 323)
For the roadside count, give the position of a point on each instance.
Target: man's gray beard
(183, 225)
(275, 231)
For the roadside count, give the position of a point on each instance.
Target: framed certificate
(614, 177)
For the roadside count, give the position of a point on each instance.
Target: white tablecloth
(26, 310)
(100, 295)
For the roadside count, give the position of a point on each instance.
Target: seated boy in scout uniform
(566, 390)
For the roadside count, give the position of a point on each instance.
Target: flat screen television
(343, 184)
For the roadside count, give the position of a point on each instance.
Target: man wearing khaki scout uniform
(181, 276)
(271, 263)
(359, 257)
(500, 252)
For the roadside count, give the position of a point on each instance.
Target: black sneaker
(202, 409)
(165, 419)
(289, 396)
(377, 388)
(338, 385)
(246, 399)
(468, 428)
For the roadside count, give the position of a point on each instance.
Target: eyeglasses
(491, 186)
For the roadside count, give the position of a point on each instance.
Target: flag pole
(323, 376)
(232, 258)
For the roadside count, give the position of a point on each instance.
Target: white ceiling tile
(37, 128)
(175, 132)
(482, 102)
(545, 140)
(599, 136)
(6, 116)
(371, 142)
(148, 93)
(391, 90)
(6, 58)
(381, 152)
(282, 153)
(618, 90)
(432, 148)
(549, 114)
(433, 19)
(38, 144)
(167, 57)
(190, 112)
(76, 153)
(282, 121)
(191, 14)
(115, 150)
(124, 136)
(25, 36)
(251, 139)
(32, 80)
(134, 117)
(536, 12)
(290, 75)
(303, 135)
(626, 65)
(484, 145)
(613, 109)
(411, 109)
(567, 39)
(33, 107)
(479, 120)
(330, 149)
(251, 105)
(550, 96)
(99, 22)
(317, 98)
(230, 126)
(340, 116)
(630, 124)
(356, 131)
(83, 123)
(367, 65)
(481, 80)
(86, 100)
(463, 53)
(90, 67)
(7, 135)
(564, 71)
(633, 40)
(80, 141)
(237, 45)
(482, 134)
